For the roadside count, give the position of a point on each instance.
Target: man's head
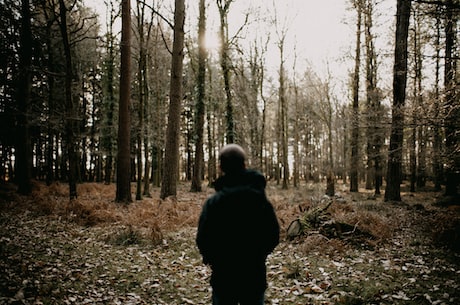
(232, 158)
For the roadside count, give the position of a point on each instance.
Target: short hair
(232, 158)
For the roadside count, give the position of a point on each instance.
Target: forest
(112, 114)
(153, 106)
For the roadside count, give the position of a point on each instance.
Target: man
(237, 230)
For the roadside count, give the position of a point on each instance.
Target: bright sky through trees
(320, 34)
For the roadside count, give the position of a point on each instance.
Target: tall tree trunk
(412, 141)
(262, 162)
(283, 115)
(436, 134)
(83, 171)
(371, 96)
(141, 65)
(70, 106)
(375, 136)
(212, 167)
(201, 95)
(123, 194)
(451, 104)
(354, 162)
(24, 145)
(296, 131)
(412, 150)
(330, 175)
(393, 187)
(108, 133)
(296, 169)
(94, 160)
(50, 160)
(146, 117)
(224, 6)
(171, 161)
(421, 135)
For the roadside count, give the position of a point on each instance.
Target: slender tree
(211, 130)
(200, 105)
(415, 106)
(224, 8)
(24, 146)
(393, 187)
(123, 194)
(354, 162)
(296, 127)
(436, 131)
(70, 125)
(372, 98)
(282, 121)
(374, 113)
(108, 134)
(171, 161)
(146, 93)
(142, 95)
(283, 112)
(451, 102)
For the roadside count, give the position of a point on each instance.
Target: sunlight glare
(212, 41)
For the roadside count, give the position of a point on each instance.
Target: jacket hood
(251, 178)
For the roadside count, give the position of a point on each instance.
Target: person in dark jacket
(237, 230)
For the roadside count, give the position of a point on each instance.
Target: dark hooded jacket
(237, 229)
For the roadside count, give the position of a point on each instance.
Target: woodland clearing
(94, 251)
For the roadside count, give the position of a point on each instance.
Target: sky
(319, 33)
(315, 29)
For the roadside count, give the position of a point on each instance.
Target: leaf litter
(94, 251)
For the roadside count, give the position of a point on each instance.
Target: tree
(354, 162)
(144, 30)
(171, 161)
(282, 147)
(108, 89)
(24, 146)
(211, 130)
(326, 114)
(451, 102)
(283, 109)
(374, 113)
(224, 7)
(70, 125)
(393, 187)
(200, 98)
(417, 169)
(123, 194)
(436, 132)
(296, 131)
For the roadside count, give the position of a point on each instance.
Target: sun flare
(212, 41)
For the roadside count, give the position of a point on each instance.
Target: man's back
(237, 230)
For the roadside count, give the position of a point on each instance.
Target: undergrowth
(403, 254)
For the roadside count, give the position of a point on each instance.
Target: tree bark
(171, 161)
(70, 107)
(354, 162)
(283, 114)
(451, 105)
(371, 96)
(107, 133)
(141, 74)
(123, 193)
(436, 132)
(393, 187)
(200, 105)
(224, 6)
(211, 128)
(24, 146)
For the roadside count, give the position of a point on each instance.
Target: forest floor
(94, 251)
